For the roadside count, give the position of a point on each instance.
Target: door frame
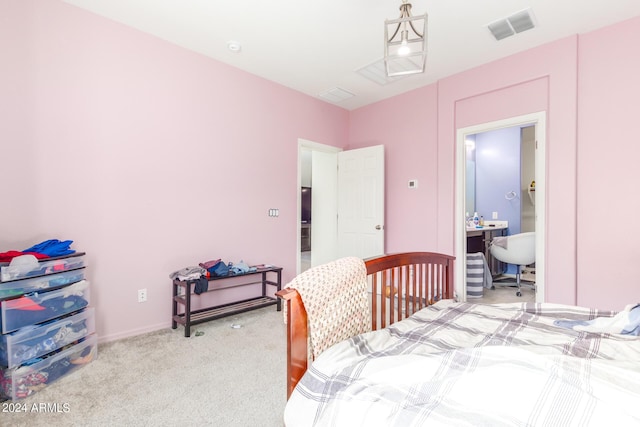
(537, 119)
(312, 146)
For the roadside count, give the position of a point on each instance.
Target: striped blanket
(475, 365)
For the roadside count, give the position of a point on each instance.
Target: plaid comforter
(475, 365)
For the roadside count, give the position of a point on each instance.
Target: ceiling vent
(516, 23)
(377, 72)
(336, 95)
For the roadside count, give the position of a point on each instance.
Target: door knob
(378, 227)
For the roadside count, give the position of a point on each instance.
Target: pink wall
(608, 155)
(407, 126)
(588, 86)
(150, 157)
(16, 133)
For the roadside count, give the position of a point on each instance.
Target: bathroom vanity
(479, 240)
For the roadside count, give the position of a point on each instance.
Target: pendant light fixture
(405, 43)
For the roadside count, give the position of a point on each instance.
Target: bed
(421, 358)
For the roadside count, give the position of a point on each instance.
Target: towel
(626, 322)
(478, 275)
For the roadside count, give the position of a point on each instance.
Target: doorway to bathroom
(503, 181)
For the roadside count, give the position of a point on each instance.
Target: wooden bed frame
(400, 285)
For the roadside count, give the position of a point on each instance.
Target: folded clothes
(188, 273)
(626, 322)
(207, 265)
(10, 255)
(240, 268)
(52, 248)
(20, 266)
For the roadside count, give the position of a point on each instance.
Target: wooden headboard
(400, 284)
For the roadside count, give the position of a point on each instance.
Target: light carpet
(225, 377)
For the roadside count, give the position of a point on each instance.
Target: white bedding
(476, 365)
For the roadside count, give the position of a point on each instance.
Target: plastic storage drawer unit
(37, 308)
(21, 382)
(35, 341)
(19, 287)
(45, 266)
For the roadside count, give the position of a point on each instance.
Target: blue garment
(58, 369)
(52, 248)
(54, 307)
(241, 268)
(633, 326)
(626, 322)
(201, 285)
(218, 270)
(41, 344)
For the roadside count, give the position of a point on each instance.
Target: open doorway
(463, 203)
(317, 181)
(347, 203)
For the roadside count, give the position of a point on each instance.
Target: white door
(324, 226)
(361, 202)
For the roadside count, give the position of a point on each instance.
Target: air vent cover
(336, 95)
(376, 72)
(521, 21)
(501, 29)
(516, 23)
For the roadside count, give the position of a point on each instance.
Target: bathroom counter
(479, 230)
(479, 240)
(488, 226)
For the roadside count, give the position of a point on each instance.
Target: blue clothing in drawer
(18, 383)
(37, 308)
(30, 342)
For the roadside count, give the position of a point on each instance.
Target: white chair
(517, 249)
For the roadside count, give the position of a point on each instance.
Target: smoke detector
(234, 46)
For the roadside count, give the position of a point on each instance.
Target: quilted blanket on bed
(475, 365)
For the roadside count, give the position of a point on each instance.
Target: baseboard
(134, 332)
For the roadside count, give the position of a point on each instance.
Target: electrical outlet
(142, 295)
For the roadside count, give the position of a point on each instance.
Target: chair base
(518, 284)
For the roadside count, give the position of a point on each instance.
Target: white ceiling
(313, 46)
